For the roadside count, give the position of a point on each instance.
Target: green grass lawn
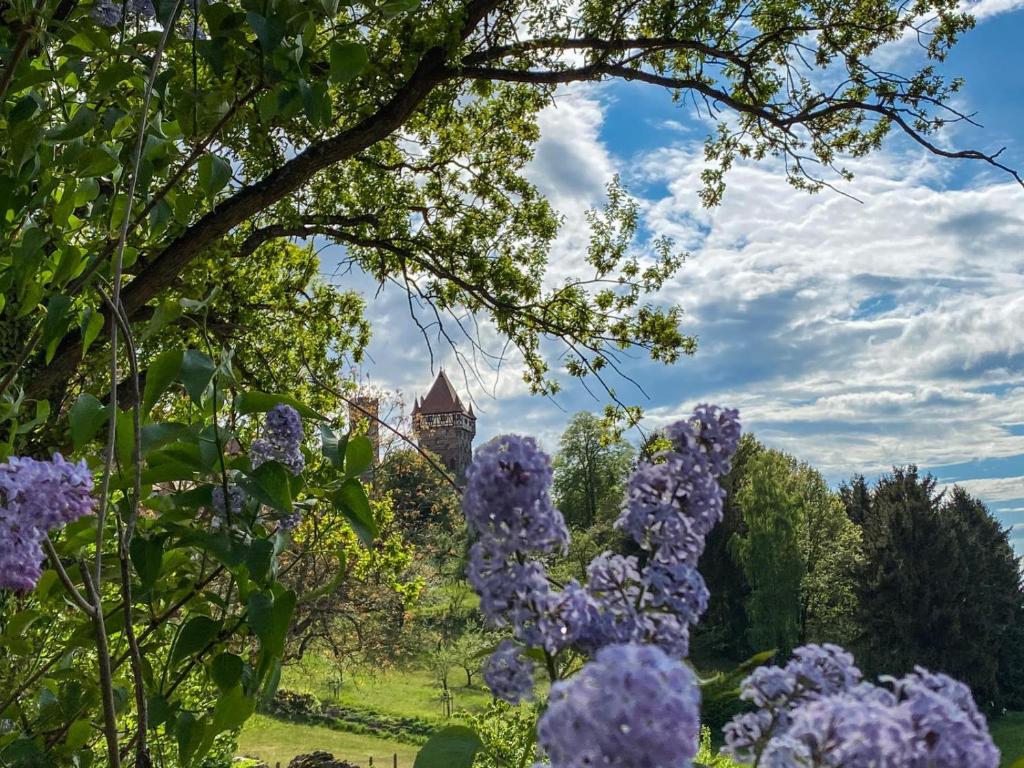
(407, 692)
(1008, 731)
(275, 741)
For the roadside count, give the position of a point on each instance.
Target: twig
(62, 574)
(106, 675)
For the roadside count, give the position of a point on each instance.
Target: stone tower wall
(450, 436)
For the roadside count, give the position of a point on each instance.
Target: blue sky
(855, 335)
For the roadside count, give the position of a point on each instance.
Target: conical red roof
(442, 398)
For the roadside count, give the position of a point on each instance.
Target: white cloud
(985, 9)
(993, 489)
(854, 335)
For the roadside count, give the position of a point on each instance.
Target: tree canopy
(591, 468)
(142, 142)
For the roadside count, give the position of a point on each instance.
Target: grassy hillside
(275, 741)
(409, 692)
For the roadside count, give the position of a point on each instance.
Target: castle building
(444, 426)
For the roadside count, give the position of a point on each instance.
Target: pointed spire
(442, 397)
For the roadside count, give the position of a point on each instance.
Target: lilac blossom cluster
(508, 509)
(281, 440)
(671, 505)
(633, 705)
(509, 674)
(37, 497)
(818, 712)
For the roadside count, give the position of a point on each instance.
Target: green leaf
(348, 60)
(269, 618)
(166, 313)
(350, 499)
(334, 446)
(194, 636)
(232, 710)
(196, 372)
(261, 402)
(452, 747)
(92, 324)
(259, 614)
(80, 124)
(395, 7)
(147, 556)
(161, 372)
(156, 436)
(269, 485)
(78, 734)
(56, 322)
(190, 734)
(214, 174)
(261, 551)
(86, 417)
(226, 670)
(358, 455)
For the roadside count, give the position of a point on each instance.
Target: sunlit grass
(1008, 731)
(276, 741)
(405, 692)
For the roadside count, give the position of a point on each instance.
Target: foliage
(707, 757)
(590, 473)
(769, 552)
(723, 630)
(940, 586)
(426, 506)
(508, 735)
(357, 597)
(190, 600)
(831, 552)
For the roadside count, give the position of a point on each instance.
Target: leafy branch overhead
(400, 131)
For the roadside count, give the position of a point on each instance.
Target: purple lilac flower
(281, 441)
(509, 674)
(839, 731)
(565, 618)
(948, 728)
(819, 712)
(633, 705)
(37, 497)
(508, 507)
(290, 522)
(507, 499)
(21, 556)
(236, 497)
(719, 431)
(671, 506)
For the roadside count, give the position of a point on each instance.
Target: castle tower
(443, 425)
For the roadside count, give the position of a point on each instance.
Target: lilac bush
(817, 711)
(636, 701)
(36, 498)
